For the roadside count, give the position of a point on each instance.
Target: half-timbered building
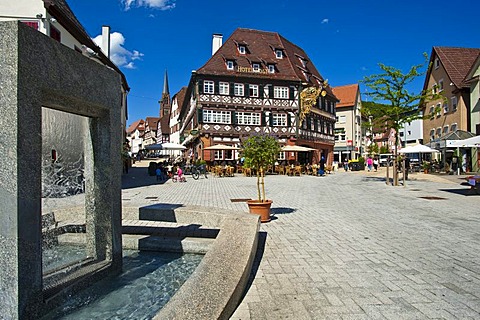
(253, 84)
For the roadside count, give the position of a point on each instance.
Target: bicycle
(197, 171)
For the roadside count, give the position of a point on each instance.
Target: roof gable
(456, 62)
(261, 47)
(139, 124)
(346, 94)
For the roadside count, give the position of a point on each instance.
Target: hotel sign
(251, 70)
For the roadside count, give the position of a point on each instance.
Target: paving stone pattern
(347, 246)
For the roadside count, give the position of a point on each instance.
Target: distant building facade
(349, 134)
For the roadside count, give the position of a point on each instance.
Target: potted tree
(259, 152)
(425, 166)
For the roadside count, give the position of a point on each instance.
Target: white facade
(174, 123)
(412, 133)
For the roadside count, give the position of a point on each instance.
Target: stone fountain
(38, 77)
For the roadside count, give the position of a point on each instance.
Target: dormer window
(303, 62)
(279, 54)
(230, 65)
(242, 49)
(256, 67)
(271, 68)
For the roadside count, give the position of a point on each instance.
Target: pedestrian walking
(375, 164)
(369, 163)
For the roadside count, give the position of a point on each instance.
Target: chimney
(216, 42)
(106, 40)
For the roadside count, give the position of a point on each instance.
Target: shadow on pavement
(463, 192)
(138, 177)
(281, 210)
(262, 239)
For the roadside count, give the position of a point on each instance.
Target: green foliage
(373, 148)
(361, 160)
(384, 149)
(200, 162)
(393, 105)
(260, 151)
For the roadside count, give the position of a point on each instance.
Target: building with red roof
(252, 84)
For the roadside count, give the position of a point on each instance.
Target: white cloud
(155, 4)
(324, 21)
(118, 54)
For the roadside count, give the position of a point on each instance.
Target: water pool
(148, 281)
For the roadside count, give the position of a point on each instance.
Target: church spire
(165, 84)
(165, 100)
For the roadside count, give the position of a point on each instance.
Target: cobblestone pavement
(347, 246)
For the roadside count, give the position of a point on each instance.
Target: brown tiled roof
(139, 124)
(346, 94)
(261, 47)
(457, 61)
(152, 122)
(165, 124)
(180, 95)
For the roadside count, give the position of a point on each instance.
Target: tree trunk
(395, 153)
(258, 185)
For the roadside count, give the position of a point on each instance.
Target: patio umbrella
(419, 148)
(467, 143)
(156, 146)
(172, 146)
(289, 148)
(221, 147)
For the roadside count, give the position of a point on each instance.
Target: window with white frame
(437, 63)
(242, 49)
(453, 127)
(440, 85)
(279, 54)
(432, 134)
(253, 90)
(208, 86)
(238, 89)
(432, 109)
(248, 118)
(454, 103)
(435, 88)
(223, 88)
(439, 109)
(279, 119)
(230, 65)
(439, 132)
(256, 67)
(445, 130)
(303, 62)
(214, 116)
(271, 68)
(280, 92)
(445, 107)
(343, 137)
(281, 156)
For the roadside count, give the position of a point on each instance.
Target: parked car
(384, 157)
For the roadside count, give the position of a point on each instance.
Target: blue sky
(345, 39)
